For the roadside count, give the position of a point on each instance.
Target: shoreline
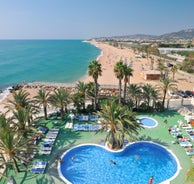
(108, 57)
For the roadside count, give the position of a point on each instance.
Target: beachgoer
(151, 180)
(169, 130)
(72, 158)
(137, 158)
(60, 160)
(112, 162)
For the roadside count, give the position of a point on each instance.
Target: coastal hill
(183, 34)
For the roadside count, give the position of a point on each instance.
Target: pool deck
(68, 138)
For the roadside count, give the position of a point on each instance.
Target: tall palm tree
(119, 73)
(128, 72)
(60, 99)
(82, 87)
(135, 93)
(161, 67)
(174, 69)
(20, 121)
(120, 123)
(165, 86)
(14, 148)
(148, 93)
(95, 70)
(20, 99)
(42, 99)
(90, 92)
(78, 101)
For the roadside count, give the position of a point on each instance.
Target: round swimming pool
(148, 122)
(135, 164)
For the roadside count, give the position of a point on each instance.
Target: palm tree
(135, 93)
(78, 101)
(42, 99)
(21, 99)
(119, 73)
(128, 72)
(21, 123)
(95, 70)
(82, 87)
(148, 93)
(174, 69)
(14, 148)
(120, 123)
(60, 99)
(165, 86)
(90, 92)
(161, 67)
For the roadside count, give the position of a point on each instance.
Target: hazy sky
(81, 19)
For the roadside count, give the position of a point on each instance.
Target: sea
(62, 61)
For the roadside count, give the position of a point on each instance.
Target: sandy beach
(110, 56)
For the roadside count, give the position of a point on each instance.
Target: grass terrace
(68, 138)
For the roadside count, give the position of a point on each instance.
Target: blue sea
(44, 60)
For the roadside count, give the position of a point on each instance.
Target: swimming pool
(148, 122)
(135, 164)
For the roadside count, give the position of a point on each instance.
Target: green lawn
(69, 138)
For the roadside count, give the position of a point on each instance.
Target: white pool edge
(92, 144)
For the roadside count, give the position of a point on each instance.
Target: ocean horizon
(60, 61)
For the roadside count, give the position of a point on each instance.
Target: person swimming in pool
(151, 180)
(112, 162)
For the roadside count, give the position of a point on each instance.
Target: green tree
(14, 148)
(135, 93)
(165, 86)
(174, 69)
(82, 87)
(148, 93)
(119, 73)
(42, 99)
(119, 122)
(128, 72)
(21, 123)
(60, 99)
(95, 70)
(20, 99)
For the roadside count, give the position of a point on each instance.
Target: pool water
(148, 122)
(134, 165)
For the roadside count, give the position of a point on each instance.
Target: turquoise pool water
(134, 165)
(148, 122)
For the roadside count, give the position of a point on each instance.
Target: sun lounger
(45, 152)
(54, 136)
(39, 164)
(189, 151)
(37, 171)
(185, 144)
(175, 133)
(42, 148)
(83, 118)
(93, 117)
(69, 125)
(49, 139)
(38, 167)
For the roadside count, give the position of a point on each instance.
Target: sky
(84, 19)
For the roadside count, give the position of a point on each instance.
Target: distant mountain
(183, 34)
